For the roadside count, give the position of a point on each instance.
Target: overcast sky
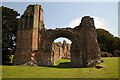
(68, 14)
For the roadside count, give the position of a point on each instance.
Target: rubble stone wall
(60, 50)
(34, 41)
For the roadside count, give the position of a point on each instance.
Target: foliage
(105, 54)
(107, 42)
(56, 72)
(117, 53)
(9, 26)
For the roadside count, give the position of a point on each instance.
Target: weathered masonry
(34, 41)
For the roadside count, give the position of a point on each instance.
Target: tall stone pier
(34, 41)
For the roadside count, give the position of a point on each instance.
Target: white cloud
(99, 22)
(74, 22)
(61, 39)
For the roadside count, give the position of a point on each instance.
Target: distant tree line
(109, 45)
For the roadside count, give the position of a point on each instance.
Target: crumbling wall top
(30, 10)
(87, 21)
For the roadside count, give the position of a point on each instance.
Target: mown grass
(109, 70)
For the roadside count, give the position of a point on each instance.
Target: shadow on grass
(63, 65)
(66, 65)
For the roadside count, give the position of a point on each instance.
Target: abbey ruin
(61, 50)
(35, 42)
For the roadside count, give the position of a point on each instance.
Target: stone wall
(29, 25)
(60, 50)
(34, 41)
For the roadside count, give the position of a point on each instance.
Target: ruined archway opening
(74, 48)
(61, 52)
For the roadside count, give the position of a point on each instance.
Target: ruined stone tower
(34, 42)
(29, 25)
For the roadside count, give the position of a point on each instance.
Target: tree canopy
(9, 26)
(107, 42)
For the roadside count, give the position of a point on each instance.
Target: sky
(60, 0)
(69, 14)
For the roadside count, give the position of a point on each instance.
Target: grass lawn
(109, 70)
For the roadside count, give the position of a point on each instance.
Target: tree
(117, 43)
(107, 42)
(9, 26)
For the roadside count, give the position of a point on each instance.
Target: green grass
(109, 70)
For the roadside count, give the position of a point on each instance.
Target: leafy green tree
(117, 43)
(9, 26)
(107, 42)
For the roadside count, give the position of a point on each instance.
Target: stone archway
(67, 33)
(33, 37)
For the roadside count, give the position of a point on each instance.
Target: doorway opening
(61, 52)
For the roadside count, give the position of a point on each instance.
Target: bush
(117, 53)
(105, 54)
